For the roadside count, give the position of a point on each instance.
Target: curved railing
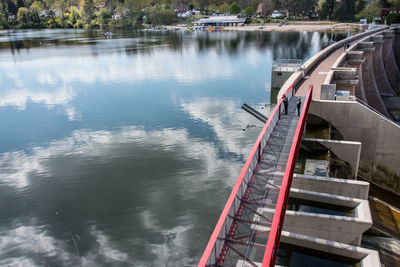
(216, 250)
(296, 77)
(271, 249)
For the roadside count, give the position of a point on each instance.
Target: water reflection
(225, 120)
(128, 146)
(126, 183)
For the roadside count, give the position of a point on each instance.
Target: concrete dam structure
(304, 194)
(364, 84)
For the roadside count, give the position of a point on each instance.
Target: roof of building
(281, 11)
(221, 19)
(260, 8)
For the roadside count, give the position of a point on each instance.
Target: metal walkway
(248, 231)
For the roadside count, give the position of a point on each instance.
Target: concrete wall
(345, 150)
(379, 71)
(334, 186)
(279, 77)
(355, 59)
(343, 229)
(328, 91)
(389, 61)
(367, 257)
(370, 87)
(396, 43)
(380, 138)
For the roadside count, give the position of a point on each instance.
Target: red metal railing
(271, 249)
(226, 225)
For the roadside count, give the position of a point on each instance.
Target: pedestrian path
(237, 238)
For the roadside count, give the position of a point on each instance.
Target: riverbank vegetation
(136, 13)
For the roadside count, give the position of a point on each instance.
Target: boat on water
(108, 34)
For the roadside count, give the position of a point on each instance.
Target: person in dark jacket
(298, 107)
(285, 103)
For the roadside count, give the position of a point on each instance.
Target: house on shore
(263, 12)
(280, 13)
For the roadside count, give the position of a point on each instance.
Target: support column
(345, 80)
(370, 88)
(389, 61)
(355, 60)
(384, 87)
(396, 43)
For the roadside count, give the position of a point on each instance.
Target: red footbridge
(250, 228)
(245, 235)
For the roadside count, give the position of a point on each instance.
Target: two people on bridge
(286, 104)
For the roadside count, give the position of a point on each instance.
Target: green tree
(234, 9)
(103, 17)
(3, 20)
(224, 8)
(301, 7)
(212, 9)
(202, 4)
(393, 18)
(371, 11)
(249, 11)
(395, 3)
(87, 7)
(9, 7)
(268, 7)
(133, 11)
(167, 16)
(344, 10)
(326, 8)
(359, 5)
(23, 17)
(61, 4)
(35, 10)
(74, 15)
(384, 3)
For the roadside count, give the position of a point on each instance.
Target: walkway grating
(236, 237)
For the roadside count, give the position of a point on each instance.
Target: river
(122, 151)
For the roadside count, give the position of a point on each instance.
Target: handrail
(271, 249)
(296, 77)
(255, 154)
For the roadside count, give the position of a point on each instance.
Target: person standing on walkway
(285, 103)
(298, 106)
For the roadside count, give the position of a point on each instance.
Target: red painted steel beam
(229, 203)
(271, 249)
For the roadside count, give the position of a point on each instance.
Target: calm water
(123, 151)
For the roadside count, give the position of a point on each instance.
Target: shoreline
(297, 26)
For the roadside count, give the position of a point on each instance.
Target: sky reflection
(131, 145)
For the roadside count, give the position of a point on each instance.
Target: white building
(220, 21)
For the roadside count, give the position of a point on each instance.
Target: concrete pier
(389, 62)
(371, 89)
(382, 82)
(355, 59)
(396, 43)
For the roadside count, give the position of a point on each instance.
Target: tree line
(134, 13)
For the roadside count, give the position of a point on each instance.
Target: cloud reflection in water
(38, 171)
